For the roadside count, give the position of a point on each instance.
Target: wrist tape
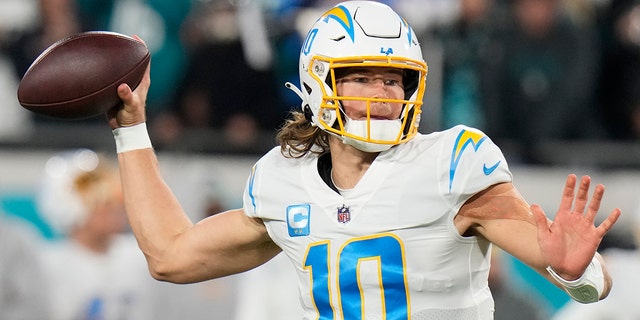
(132, 138)
(588, 287)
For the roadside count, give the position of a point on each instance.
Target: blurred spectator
(622, 303)
(94, 270)
(160, 24)
(619, 98)
(545, 80)
(58, 19)
(15, 17)
(22, 286)
(467, 45)
(229, 83)
(287, 40)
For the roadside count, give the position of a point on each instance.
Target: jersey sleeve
(474, 163)
(248, 197)
(255, 191)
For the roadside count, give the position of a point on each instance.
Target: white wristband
(586, 289)
(132, 138)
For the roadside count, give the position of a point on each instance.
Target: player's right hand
(132, 110)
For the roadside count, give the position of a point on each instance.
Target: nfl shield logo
(344, 215)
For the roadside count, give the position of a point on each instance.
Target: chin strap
(586, 289)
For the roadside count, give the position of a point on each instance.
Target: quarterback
(379, 221)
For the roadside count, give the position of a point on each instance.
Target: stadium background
(204, 168)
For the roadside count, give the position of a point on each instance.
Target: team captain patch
(298, 216)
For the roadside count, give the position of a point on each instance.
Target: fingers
(581, 200)
(582, 197)
(125, 93)
(135, 36)
(594, 205)
(573, 201)
(132, 109)
(568, 194)
(606, 225)
(145, 82)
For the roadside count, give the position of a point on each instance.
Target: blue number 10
(385, 251)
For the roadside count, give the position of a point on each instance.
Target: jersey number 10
(385, 250)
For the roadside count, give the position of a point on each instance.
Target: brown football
(77, 77)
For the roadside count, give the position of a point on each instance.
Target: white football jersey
(388, 249)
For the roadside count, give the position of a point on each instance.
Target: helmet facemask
(370, 134)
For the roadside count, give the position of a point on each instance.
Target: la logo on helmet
(387, 52)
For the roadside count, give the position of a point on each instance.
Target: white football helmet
(57, 200)
(361, 34)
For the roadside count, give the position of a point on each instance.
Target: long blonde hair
(298, 137)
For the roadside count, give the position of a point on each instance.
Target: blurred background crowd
(556, 83)
(541, 77)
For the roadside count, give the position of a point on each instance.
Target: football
(77, 77)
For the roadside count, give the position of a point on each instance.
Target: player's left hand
(569, 242)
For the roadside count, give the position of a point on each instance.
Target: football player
(380, 221)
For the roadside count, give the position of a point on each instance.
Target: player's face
(371, 82)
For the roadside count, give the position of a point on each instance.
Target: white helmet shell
(361, 34)
(57, 200)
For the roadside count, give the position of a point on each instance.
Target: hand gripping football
(77, 77)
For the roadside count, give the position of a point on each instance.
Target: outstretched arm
(567, 244)
(175, 248)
